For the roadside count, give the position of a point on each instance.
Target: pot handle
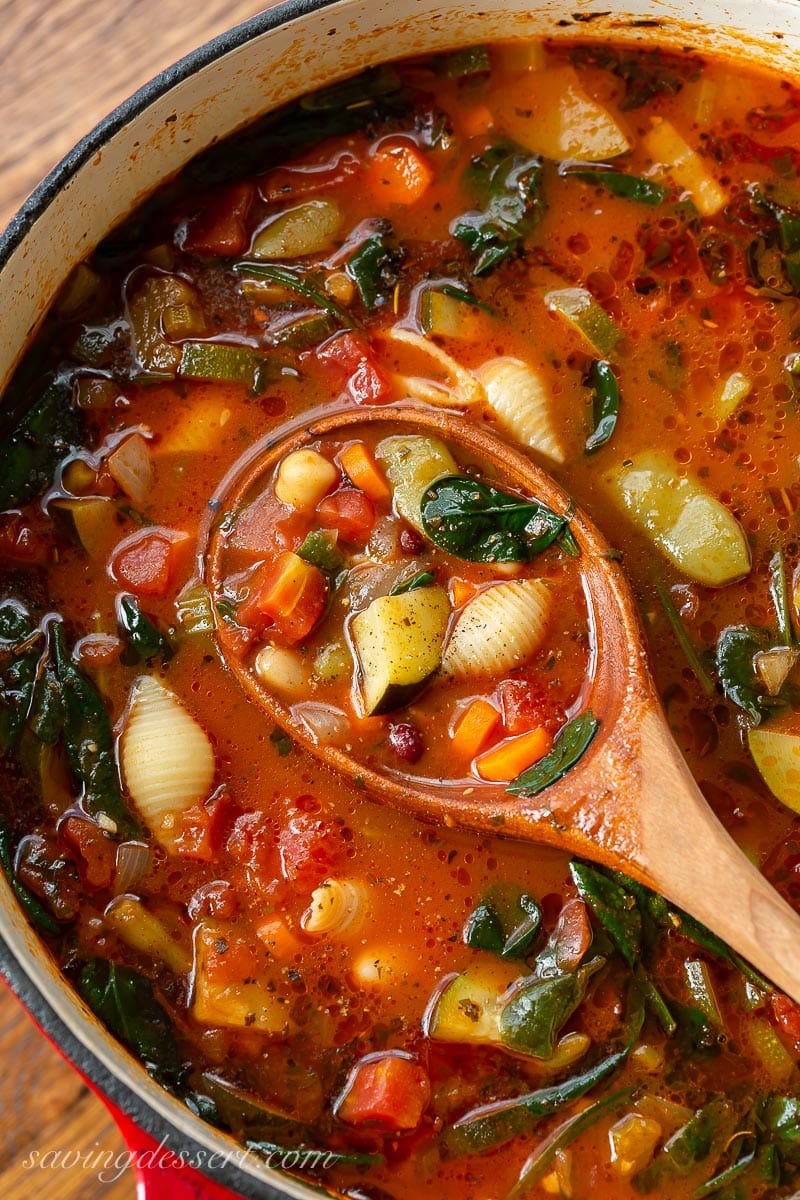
(160, 1174)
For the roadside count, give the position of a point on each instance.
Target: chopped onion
(131, 467)
(134, 860)
(324, 723)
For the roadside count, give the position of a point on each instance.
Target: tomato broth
(592, 252)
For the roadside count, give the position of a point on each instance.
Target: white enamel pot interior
(295, 47)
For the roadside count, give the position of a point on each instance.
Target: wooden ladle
(630, 802)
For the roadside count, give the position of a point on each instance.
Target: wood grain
(65, 64)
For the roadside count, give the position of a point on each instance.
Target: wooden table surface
(65, 64)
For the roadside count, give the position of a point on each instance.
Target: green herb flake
(281, 741)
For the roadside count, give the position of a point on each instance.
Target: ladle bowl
(630, 802)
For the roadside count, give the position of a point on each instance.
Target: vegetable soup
(593, 252)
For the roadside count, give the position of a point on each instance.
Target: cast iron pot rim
(112, 1086)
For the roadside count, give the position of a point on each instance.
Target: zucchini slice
(412, 463)
(398, 641)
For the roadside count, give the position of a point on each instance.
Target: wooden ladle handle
(691, 859)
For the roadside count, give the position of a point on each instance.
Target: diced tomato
(349, 354)
(787, 1017)
(305, 178)
(390, 1091)
(20, 542)
(252, 842)
(230, 960)
(349, 511)
(201, 828)
(289, 594)
(527, 705)
(219, 229)
(94, 850)
(148, 562)
(310, 847)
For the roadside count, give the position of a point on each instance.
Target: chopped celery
(193, 610)
(155, 354)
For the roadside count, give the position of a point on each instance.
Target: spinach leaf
(46, 717)
(374, 270)
(475, 521)
(89, 741)
(531, 1020)
(629, 187)
(506, 922)
(613, 900)
(507, 183)
(781, 1118)
(725, 1177)
(736, 649)
(613, 905)
(571, 743)
(30, 453)
(491, 1125)
(19, 656)
(420, 580)
(125, 1002)
(705, 1132)
(605, 403)
(145, 641)
(32, 906)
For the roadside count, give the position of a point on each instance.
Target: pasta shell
(336, 905)
(166, 758)
(523, 406)
(499, 630)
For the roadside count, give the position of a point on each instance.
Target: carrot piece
(389, 1091)
(289, 594)
(399, 173)
(278, 938)
(461, 592)
(514, 755)
(475, 727)
(475, 120)
(358, 463)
